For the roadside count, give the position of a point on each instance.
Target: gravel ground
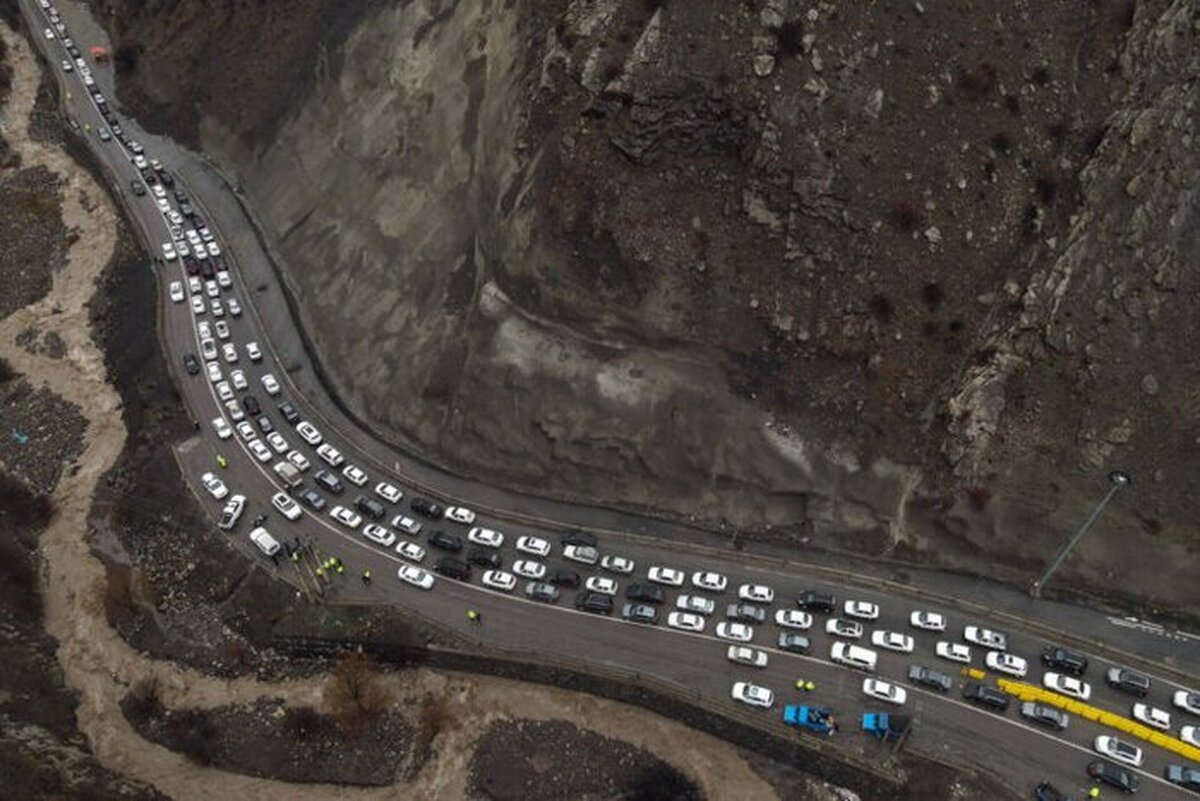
(33, 239)
(41, 434)
(539, 761)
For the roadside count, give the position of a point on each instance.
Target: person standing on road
(366, 577)
(474, 616)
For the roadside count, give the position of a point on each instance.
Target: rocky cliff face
(906, 279)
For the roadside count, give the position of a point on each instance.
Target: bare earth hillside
(903, 278)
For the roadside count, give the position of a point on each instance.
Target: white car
(270, 384)
(213, 250)
(884, 691)
(276, 441)
(222, 428)
(238, 377)
(198, 306)
(224, 392)
(162, 204)
(344, 516)
(1119, 750)
(246, 430)
(330, 455)
(194, 285)
(211, 289)
(214, 372)
(208, 349)
(840, 627)
(286, 506)
(954, 651)
(232, 512)
(406, 524)
(460, 514)
(192, 236)
(216, 308)
(298, 460)
(261, 452)
(158, 190)
(222, 329)
(995, 640)
(1002, 662)
(235, 308)
(738, 632)
(758, 593)
(1152, 716)
(354, 475)
(499, 580)
(416, 576)
(234, 410)
(601, 584)
(67, 66)
(617, 564)
(223, 279)
(793, 619)
(182, 249)
(176, 292)
(48, 33)
(1190, 735)
(309, 433)
(696, 604)
(892, 641)
(527, 568)
(388, 492)
(685, 621)
(707, 580)
(410, 551)
(168, 251)
(863, 610)
(379, 535)
(1187, 700)
(930, 621)
(485, 536)
(665, 575)
(1067, 685)
(203, 330)
(229, 351)
(584, 554)
(141, 164)
(741, 655)
(253, 352)
(753, 695)
(215, 486)
(533, 545)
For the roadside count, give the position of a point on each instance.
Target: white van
(854, 656)
(265, 542)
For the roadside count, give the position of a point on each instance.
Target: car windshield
(1124, 749)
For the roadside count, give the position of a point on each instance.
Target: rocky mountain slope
(905, 278)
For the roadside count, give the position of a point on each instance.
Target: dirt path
(100, 666)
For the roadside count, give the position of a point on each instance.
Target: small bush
(978, 497)
(192, 732)
(123, 592)
(790, 38)
(933, 294)
(302, 722)
(433, 718)
(1047, 188)
(355, 695)
(1002, 143)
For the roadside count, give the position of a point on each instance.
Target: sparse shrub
(882, 308)
(123, 592)
(302, 722)
(432, 719)
(907, 216)
(978, 497)
(354, 695)
(790, 38)
(933, 294)
(142, 702)
(7, 373)
(1013, 104)
(1058, 130)
(192, 732)
(1040, 76)
(1002, 143)
(1046, 187)
(237, 653)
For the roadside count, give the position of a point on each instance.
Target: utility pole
(1119, 480)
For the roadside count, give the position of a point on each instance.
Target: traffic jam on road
(751, 622)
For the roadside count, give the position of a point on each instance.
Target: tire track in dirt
(100, 666)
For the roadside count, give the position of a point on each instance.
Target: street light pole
(1119, 481)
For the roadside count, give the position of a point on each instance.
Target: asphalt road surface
(946, 726)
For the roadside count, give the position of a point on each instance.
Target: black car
(453, 568)
(1127, 681)
(485, 557)
(149, 177)
(250, 404)
(595, 602)
(918, 674)
(138, 187)
(447, 542)
(180, 197)
(1188, 778)
(816, 601)
(1064, 661)
(1113, 775)
(745, 613)
(329, 481)
(541, 591)
(169, 180)
(264, 424)
(564, 578)
(646, 593)
(578, 538)
(191, 265)
(369, 507)
(793, 642)
(640, 613)
(207, 269)
(1045, 715)
(1048, 792)
(427, 508)
(191, 363)
(985, 696)
(289, 413)
(312, 499)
